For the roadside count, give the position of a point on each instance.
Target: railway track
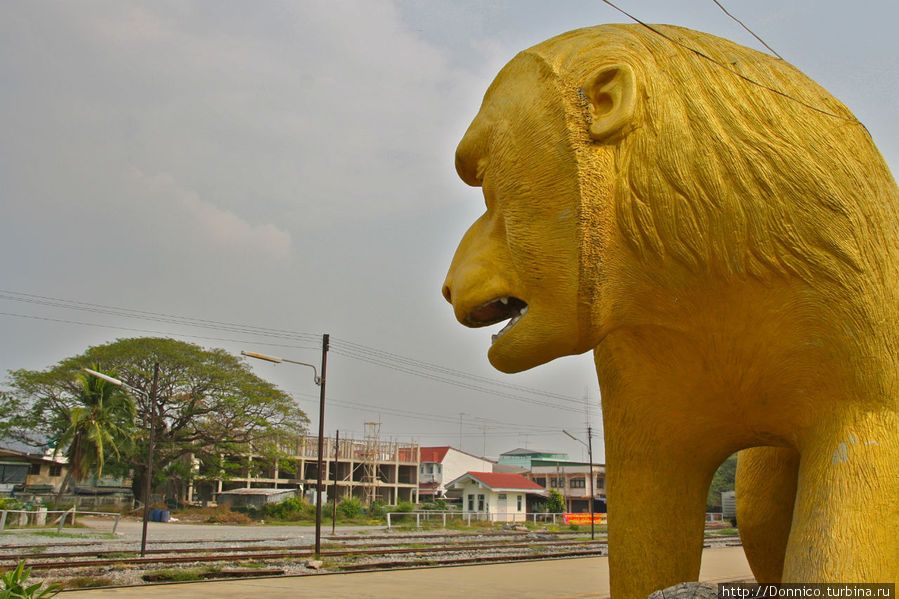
(340, 554)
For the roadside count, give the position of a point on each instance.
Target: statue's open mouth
(498, 310)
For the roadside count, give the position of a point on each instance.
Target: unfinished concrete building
(382, 470)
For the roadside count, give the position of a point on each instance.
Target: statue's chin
(510, 357)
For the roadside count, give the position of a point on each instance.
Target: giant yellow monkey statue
(722, 233)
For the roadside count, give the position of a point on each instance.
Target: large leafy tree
(209, 403)
(100, 423)
(722, 481)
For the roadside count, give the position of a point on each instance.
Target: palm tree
(100, 419)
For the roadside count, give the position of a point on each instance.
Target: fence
(510, 517)
(114, 500)
(40, 518)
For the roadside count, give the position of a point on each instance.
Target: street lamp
(589, 445)
(320, 381)
(151, 401)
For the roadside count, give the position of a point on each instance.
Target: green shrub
(403, 506)
(377, 509)
(8, 503)
(555, 504)
(14, 587)
(86, 582)
(350, 507)
(181, 574)
(292, 508)
(223, 515)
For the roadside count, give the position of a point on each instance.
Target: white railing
(511, 517)
(39, 518)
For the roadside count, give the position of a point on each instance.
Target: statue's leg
(656, 500)
(846, 516)
(766, 490)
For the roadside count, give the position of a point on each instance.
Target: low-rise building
(440, 465)
(30, 469)
(524, 457)
(572, 480)
(498, 497)
(254, 497)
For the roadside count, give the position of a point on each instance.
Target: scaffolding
(368, 469)
(370, 459)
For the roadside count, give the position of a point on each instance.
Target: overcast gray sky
(289, 165)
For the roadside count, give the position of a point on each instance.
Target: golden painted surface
(722, 233)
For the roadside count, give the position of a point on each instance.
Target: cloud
(210, 226)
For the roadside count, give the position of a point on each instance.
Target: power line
(499, 425)
(733, 72)
(455, 383)
(378, 357)
(152, 332)
(751, 32)
(153, 316)
(414, 363)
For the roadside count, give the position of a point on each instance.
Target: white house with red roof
(439, 465)
(500, 497)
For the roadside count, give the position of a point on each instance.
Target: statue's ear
(612, 93)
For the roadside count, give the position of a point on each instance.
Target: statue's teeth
(504, 300)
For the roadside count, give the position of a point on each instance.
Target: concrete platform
(559, 579)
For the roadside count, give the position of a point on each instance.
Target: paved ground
(178, 531)
(558, 579)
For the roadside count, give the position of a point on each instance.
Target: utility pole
(320, 381)
(150, 443)
(334, 486)
(321, 447)
(592, 482)
(589, 445)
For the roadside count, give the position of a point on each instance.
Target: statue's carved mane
(738, 176)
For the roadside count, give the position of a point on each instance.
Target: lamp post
(151, 401)
(320, 381)
(589, 445)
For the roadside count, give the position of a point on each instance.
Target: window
(541, 481)
(519, 503)
(579, 483)
(471, 503)
(481, 503)
(35, 469)
(502, 497)
(55, 470)
(600, 482)
(14, 473)
(557, 483)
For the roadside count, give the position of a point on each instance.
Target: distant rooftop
(21, 447)
(436, 454)
(498, 481)
(257, 491)
(532, 452)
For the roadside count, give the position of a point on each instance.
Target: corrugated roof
(434, 454)
(21, 447)
(497, 480)
(256, 491)
(523, 451)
